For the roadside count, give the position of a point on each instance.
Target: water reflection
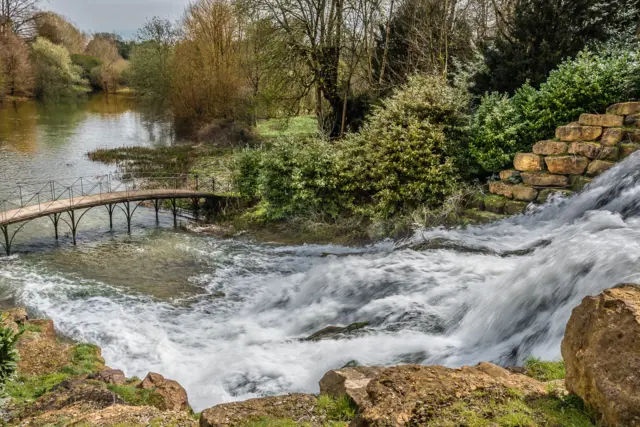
(39, 142)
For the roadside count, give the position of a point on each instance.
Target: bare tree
(18, 16)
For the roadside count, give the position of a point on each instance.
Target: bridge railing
(41, 196)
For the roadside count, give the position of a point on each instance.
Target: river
(225, 317)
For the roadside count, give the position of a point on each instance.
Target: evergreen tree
(544, 32)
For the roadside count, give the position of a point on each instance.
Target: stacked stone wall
(579, 152)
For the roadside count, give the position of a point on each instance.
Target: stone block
(624, 108)
(513, 207)
(510, 175)
(612, 136)
(609, 153)
(544, 179)
(567, 165)
(573, 133)
(628, 149)
(528, 162)
(633, 135)
(550, 148)
(632, 120)
(501, 189)
(598, 167)
(590, 150)
(524, 193)
(579, 182)
(604, 120)
(494, 204)
(544, 195)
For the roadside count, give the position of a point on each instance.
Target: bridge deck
(82, 202)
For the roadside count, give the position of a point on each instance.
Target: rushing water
(225, 317)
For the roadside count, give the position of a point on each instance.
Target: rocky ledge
(61, 384)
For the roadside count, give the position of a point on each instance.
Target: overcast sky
(121, 16)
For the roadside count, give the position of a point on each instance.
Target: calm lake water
(227, 317)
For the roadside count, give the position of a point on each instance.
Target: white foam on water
(500, 292)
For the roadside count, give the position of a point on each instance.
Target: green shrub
(246, 172)
(86, 63)
(588, 83)
(9, 355)
(56, 75)
(496, 132)
(408, 153)
(298, 176)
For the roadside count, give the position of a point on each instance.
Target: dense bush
(56, 75)
(87, 63)
(407, 153)
(405, 156)
(589, 83)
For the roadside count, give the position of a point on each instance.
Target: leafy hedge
(590, 82)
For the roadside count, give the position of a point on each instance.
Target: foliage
(595, 79)
(17, 72)
(294, 127)
(496, 132)
(198, 96)
(545, 371)
(246, 173)
(298, 176)
(340, 409)
(9, 355)
(108, 76)
(56, 75)
(542, 33)
(408, 152)
(59, 31)
(151, 63)
(87, 63)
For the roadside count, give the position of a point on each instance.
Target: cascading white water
(500, 292)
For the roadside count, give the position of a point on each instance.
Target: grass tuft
(544, 371)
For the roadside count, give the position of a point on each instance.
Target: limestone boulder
(612, 136)
(603, 120)
(550, 148)
(567, 165)
(598, 167)
(350, 382)
(510, 175)
(524, 193)
(545, 195)
(573, 133)
(174, 395)
(528, 162)
(590, 150)
(544, 179)
(404, 395)
(501, 189)
(632, 135)
(601, 349)
(298, 407)
(609, 153)
(513, 207)
(628, 149)
(624, 108)
(495, 204)
(632, 120)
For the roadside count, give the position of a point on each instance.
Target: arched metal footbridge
(69, 200)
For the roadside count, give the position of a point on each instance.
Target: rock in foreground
(601, 350)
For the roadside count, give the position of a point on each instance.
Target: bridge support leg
(110, 209)
(128, 214)
(196, 208)
(55, 218)
(174, 208)
(73, 225)
(7, 240)
(156, 205)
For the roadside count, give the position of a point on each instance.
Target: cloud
(121, 16)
